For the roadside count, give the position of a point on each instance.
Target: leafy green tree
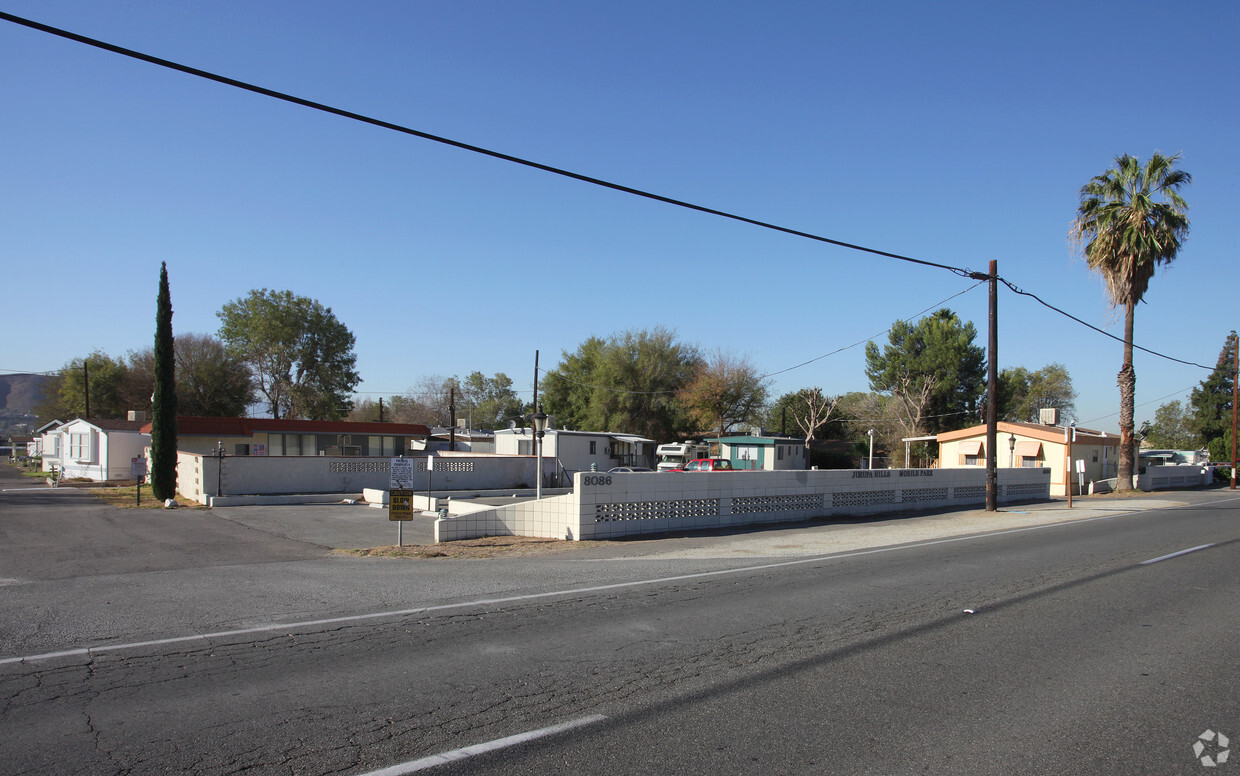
(211, 380)
(1220, 448)
(1130, 220)
(301, 355)
(488, 402)
(164, 398)
(367, 411)
(1170, 429)
(880, 413)
(66, 397)
(1022, 394)
(933, 370)
(726, 390)
(627, 382)
(1210, 402)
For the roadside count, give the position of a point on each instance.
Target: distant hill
(19, 393)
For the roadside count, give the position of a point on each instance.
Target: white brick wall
(605, 506)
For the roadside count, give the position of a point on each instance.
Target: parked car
(707, 465)
(620, 469)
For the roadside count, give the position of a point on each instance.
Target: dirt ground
(486, 547)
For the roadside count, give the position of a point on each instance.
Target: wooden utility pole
(992, 390)
(452, 417)
(1069, 436)
(1235, 378)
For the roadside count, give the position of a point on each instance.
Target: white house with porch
(95, 449)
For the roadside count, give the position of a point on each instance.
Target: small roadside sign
(401, 470)
(400, 504)
(137, 468)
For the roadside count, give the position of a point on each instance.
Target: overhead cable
(458, 144)
(556, 375)
(1049, 306)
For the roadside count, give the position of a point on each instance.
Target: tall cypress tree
(1210, 402)
(164, 401)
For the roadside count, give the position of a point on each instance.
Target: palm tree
(1130, 220)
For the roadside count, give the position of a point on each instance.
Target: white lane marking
(103, 648)
(477, 749)
(1176, 554)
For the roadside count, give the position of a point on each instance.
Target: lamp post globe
(540, 429)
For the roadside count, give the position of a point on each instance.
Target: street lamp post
(1012, 451)
(540, 428)
(871, 465)
(219, 468)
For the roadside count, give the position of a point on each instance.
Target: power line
(461, 145)
(550, 169)
(915, 316)
(1050, 306)
(1180, 392)
(901, 420)
(872, 338)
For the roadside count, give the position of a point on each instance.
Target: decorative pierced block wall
(920, 495)
(625, 504)
(970, 492)
(358, 466)
(862, 498)
(748, 505)
(446, 465)
(653, 510)
(1015, 491)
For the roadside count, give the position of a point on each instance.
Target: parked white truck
(675, 456)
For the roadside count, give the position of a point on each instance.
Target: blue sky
(951, 132)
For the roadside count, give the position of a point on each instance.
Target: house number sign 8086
(596, 479)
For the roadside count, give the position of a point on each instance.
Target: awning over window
(630, 438)
(971, 447)
(1029, 449)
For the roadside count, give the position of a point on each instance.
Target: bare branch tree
(813, 411)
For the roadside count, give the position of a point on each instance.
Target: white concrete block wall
(273, 474)
(607, 506)
(191, 478)
(1163, 477)
(554, 517)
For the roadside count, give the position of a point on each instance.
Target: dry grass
(485, 547)
(124, 498)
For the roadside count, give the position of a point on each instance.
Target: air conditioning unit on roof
(1049, 416)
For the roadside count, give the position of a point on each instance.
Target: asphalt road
(216, 647)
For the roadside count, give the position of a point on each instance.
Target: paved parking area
(340, 526)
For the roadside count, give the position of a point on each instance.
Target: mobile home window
(284, 444)
(382, 445)
(79, 446)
